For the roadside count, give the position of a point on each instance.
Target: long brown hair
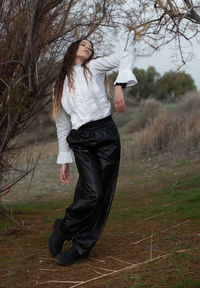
(66, 70)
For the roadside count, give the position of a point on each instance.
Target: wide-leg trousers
(96, 147)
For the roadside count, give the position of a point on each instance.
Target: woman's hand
(64, 174)
(119, 102)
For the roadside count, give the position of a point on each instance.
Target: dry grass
(173, 132)
(149, 109)
(176, 131)
(190, 102)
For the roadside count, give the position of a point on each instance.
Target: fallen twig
(150, 217)
(162, 231)
(125, 262)
(97, 260)
(62, 281)
(110, 270)
(52, 270)
(96, 271)
(80, 283)
(151, 244)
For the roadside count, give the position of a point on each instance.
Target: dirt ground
(134, 251)
(116, 260)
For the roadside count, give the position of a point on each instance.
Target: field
(151, 238)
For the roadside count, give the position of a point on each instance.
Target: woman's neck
(78, 60)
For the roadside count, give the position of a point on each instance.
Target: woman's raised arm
(124, 61)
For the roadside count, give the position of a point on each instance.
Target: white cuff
(126, 76)
(65, 157)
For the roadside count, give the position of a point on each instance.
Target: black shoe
(57, 239)
(70, 256)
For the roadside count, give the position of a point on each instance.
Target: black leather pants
(96, 147)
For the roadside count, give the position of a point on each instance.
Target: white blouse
(88, 101)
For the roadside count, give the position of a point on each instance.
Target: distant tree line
(169, 87)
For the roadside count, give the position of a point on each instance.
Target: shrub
(173, 132)
(149, 109)
(190, 102)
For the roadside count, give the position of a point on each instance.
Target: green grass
(176, 203)
(170, 107)
(184, 196)
(47, 211)
(41, 206)
(182, 163)
(176, 196)
(128, 120)
(187, 283)
(170, 192)
(179, 198)
(136, 279)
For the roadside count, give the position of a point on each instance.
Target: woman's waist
(93, 122)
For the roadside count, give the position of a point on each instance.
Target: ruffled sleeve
(126, 76)
(63, 125)
(65, 157)
(124, 61)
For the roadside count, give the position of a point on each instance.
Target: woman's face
(84, 50)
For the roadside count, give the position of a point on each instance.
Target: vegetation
(151, 238)
(157, 23)
(175, 131)
(147, 83)
(34, 35)
(172, 85)
(155, 213)
(154, 221)
(168, 88)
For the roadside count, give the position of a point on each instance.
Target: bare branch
(34, 35)
(192, 13)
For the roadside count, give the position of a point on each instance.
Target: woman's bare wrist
(118, 87)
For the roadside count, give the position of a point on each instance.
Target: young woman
(88, 136)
